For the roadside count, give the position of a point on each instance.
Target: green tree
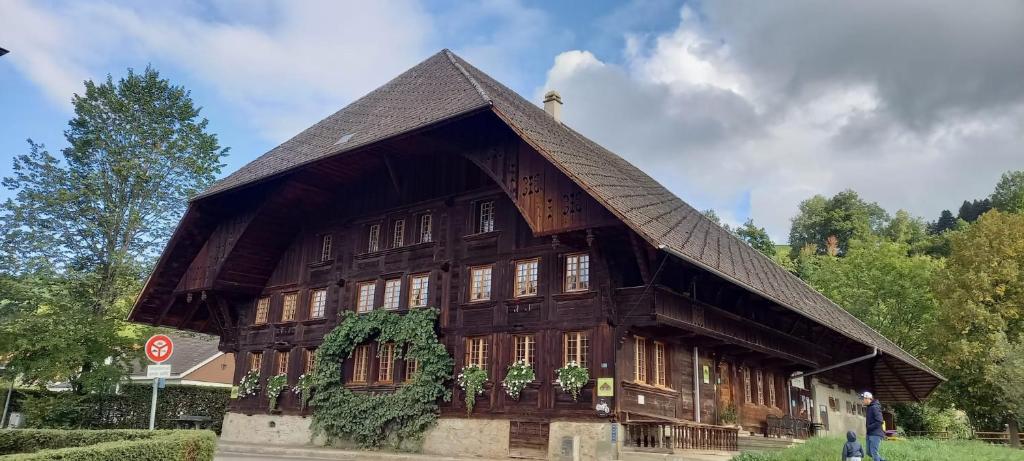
(879, 283)
(756, 237)
(981, 314)
(946, 222)
(830, 223)
(81, 229)
(971, 210)
(713, 216)
(1009, 193)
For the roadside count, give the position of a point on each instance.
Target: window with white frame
(640, 360)
(411, 367)
(255, 361)
(525, 348)
(747, 396)
(374, 239)
(325, 247)
(485, 216)
(577, 272)
(476, 351)
(419, 290)
(385, 363)
(576, 348)
(426, 228)
(365, 292)
(660, 378)
(526, 278)
(771, 389)
(317, 303)
(480, 283)
(288, 303)
(282, 362)
(392, 293)
(361, 363)
(760, 386)
(398, 238)
(309, 360)
(262, 310)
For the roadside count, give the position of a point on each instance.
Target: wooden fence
(667, 437)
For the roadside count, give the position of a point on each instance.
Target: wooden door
(528, 439)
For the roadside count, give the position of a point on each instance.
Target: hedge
(110, 445)
(128, 409)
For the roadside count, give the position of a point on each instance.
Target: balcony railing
(668, 437)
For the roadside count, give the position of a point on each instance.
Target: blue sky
(747, 108)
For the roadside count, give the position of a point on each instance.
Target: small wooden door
(528, 439)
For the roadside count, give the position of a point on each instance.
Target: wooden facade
(474, 214)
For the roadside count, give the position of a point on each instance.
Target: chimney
(553, 105)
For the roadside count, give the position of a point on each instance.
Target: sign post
(158, 349)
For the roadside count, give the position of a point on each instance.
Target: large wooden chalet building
(443, 188)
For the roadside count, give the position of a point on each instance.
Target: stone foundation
(595, 440)
(483, 438)
(266, 429)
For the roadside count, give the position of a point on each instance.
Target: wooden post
(1013, 428)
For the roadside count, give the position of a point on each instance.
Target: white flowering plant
(250, 384)
(304, 389)
(571, 378)
(471, 379)
(275, 385)
(518, 376)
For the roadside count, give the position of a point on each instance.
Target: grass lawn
(829, 448)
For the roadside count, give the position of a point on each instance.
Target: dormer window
(325, 248)
(374, 240)
(485, 216)
(399, 234)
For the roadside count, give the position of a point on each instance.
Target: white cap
(866, 395)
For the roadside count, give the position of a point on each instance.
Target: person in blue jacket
(852, 451)
(875, 432)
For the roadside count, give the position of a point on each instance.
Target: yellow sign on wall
(605, 387)
(234, 392)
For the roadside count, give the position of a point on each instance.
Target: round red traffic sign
(159, 348)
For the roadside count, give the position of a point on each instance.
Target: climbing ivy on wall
(374, 420)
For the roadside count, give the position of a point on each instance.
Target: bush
(127, 410)
(106, 445)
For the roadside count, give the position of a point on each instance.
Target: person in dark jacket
(852, 451)
(875, 432)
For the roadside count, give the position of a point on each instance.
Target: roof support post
(902, 380)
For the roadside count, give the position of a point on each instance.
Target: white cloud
(748, 100)
(272, 60)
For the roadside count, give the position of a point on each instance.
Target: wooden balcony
(669, 437)
(661, 305)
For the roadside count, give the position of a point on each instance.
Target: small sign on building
(605, 387)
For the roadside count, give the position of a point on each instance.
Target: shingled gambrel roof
(445, 86)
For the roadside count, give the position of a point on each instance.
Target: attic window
(344, 139)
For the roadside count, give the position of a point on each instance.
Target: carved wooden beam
(193, 308)
(393, 172)
(641, 258)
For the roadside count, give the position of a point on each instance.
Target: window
(255, 361)
(760, 387)
(746, 386)
(659, 364)
(360, 363)
(365, 293)
(525, 347)
(374, 240)
(640, 360)
(476, 351)
(480, 283)
(262, 308)
(282, 362)
(833, 404)
(309, 361)
(288, 308)
(325, 248)
(576, 348)
(392, 293)
(577, 272)
(317, 303)
(771, 390)
(385, 363)
(419, 290)
(485, 217)
(526, 278)
(426, 228)
(399, 234)
(411, 367)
